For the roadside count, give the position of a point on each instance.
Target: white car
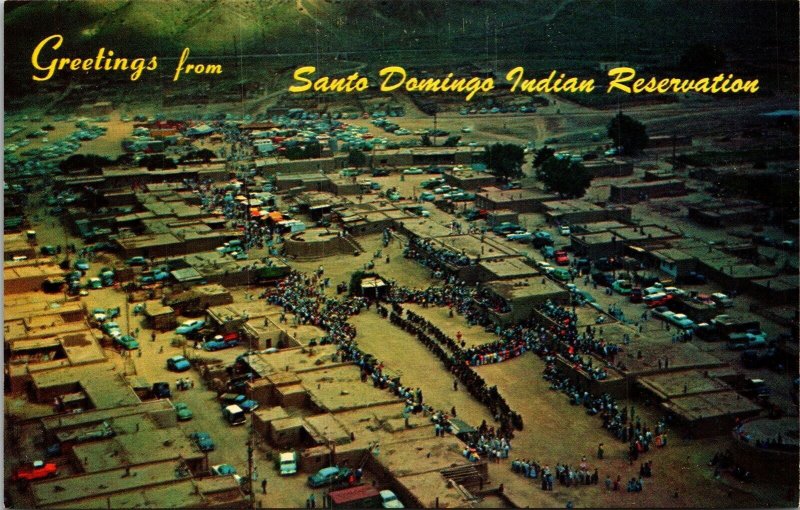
(443, 189)
(675, 291)
(682, 321)
(653, 297)
(722, 299)
(655, 289)
(520, 235)
(413, 171)
(389, 500)
(564, 230)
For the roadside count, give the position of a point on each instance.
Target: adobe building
(522, 295)
(609, 168)
(570, 212)
(28, 275)
(634, 192)
(469, 180)
(518, 200)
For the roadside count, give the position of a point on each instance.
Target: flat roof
(643, 232)
(515, 195)
(673, 254)
(339, 387)
(124, 450)
(471, 246)
(11, 272)
(67, 421)
(326, 429)
(711, 405)
(509, 267)
(106, 482)
(778, 283)
(521, 288)
(426, 228)
(104, 385)
(428, 454)
(215, 491)
(148, 240)
(564, 206)
(671, 384)
(648, 184)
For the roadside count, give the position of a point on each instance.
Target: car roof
(329, 469)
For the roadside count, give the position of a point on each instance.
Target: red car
(561, 258)
(660, 302)
(35, 471)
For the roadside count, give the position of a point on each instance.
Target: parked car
(328, 476)
(752, 358)
(36, 470)
(659, 311)
(389, 500)
(380, 172)
(506, 228)
(221, 342)
(137, 261)
(413, 171)
(681, 321)
(183, 412)
(161, 390)
(562, 274)
(603, 279)
(623, 287)
(636, 295)
(427, 196)
(189, 326)
(178, 364)
(564, 230)
(287, 463)
(81, 265)
(541, 234)
(722, 299)
(203, 441)
(520, 235)
(657, 299)
(749, 340)
(226, 470)
(561, 258)
(127, 342)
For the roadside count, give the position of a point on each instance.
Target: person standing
(264, 486)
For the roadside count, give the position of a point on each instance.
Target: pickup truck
(36, 470)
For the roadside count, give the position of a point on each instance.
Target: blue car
(178, 364)
(203, 441)
(189, 326)
(218, 342)
(248, 405)
(82, 265)
(328, 476)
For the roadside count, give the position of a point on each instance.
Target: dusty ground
(554, 430)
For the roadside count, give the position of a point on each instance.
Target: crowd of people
(424, 252)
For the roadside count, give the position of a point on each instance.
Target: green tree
(356, 158)
(543, 155)
(505, 160)
(84, 161)
(204, 155)
(451, 141)
(568, 178)
(628, 133)
(157, 161)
